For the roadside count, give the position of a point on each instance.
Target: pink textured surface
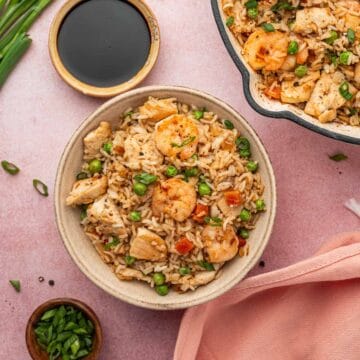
(38, 113)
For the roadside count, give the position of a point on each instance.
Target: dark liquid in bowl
(104, 42)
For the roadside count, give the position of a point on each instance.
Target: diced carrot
(183, 246)
(233, 197)
(242, 242)
(273, 92)
(200, 212)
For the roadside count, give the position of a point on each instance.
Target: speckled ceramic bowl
(82, 251)
(272, 108)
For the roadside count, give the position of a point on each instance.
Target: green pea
(344, 57)
(333, 36)
(204, 189)
(228, 124)
(135, 216)
(107, 147)
(191, 172)
(260, 204)
(253, 13)
(301, 71)
(245, 153)
(229, 21)
(159, 278)
(206, 265)
(162, 290)
(140, 188)
(95, 166)
(293, 47)
(252, 166)
(129, 260)
(242, 143)
(171, 171)
(245, 215)
(268, 27)
(184, 270)
(244, 233)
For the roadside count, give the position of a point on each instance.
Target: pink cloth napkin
(307, 311)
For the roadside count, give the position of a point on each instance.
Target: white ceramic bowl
(82, 251)
(273, 108)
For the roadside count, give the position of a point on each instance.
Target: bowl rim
(97, 91)
(133, 299)
(286, 114)
(86, 309)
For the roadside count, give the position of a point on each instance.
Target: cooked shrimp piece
(221, 245)
(158, 109)
(297, 91)
(148, 246)
(326, 98)
(95, 139)
(312, 19)
(289, 63)
(175, 198)
(104, 212)
(87, 190)
(266, 51)
(177, 135)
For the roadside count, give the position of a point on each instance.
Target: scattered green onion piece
(213, 221)
(245, 215)
(301, 71)
(115, 241)
(191, 172)
(15, 284)
(146, 178)
(252, 166)
(81, 176)
(352, 111)
(140, 189)
(204, 189)
(129, 260)
(344, 57)
(206, 265)
(242, 143)
(158, 278)
(228, 124)
(251, 4)
(344, 91)
(293, 47)
(184, 271)
(187, 141)
(198, 114)
(338, 157)
(83, 213)
(107, 147)
(282, 5)
(260, 204)
(351, 35)
(95, 166)
(195, 157)
(245, 153)
(229, 22)
(267, 27)
(9, 167)
(40, 187)
(129, 113)
(244, 233)
(333, 36)
(171, 171)
(135, 216)
(162, 290)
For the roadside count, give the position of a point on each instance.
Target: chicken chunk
(87, 190)
(158, 109)
(130, 274)
(148, 246)
(105, 213)
(295, 91)
(312, 19)
(94, 140)
(326, 98)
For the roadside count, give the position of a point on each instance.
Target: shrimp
(266, 51)
(177, 135)
(221, 245)
(158, 109)
(175, 198)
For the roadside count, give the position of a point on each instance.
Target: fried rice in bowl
(165, 197)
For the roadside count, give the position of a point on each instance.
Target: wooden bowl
(35, 350)
(104, 92)
(83, 252)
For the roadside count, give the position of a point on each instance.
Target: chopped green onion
(115, 241)
(228, 124)
(199, 114)
(252, 166)
(81, 176)
(191, 172)
(40, 187)
(9, 167)
(83, 213)
(333, 36)
(344, 57)
(268, 27)
(244, 233)
(206, 265)
(351, 36)
(184, 270)
(338, 157)
(301, 71)
(213, 221)
(344, 91)
(15, 284)
(245, 153)
(229, 22)
(129, 260)
(187, 141)
(293, 47)
(146, 178)
(251, 4)
(129, 113)
(242, 143)
(282, 5)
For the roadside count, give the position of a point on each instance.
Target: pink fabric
(310, 310)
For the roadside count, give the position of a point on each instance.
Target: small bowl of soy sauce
(104, 47)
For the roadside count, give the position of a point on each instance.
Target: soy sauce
(104, 42)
